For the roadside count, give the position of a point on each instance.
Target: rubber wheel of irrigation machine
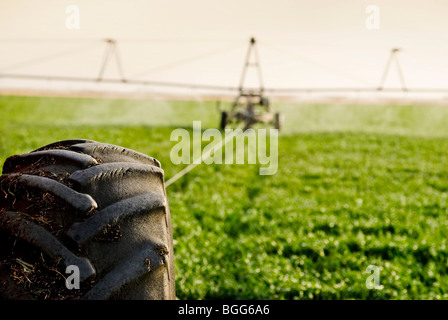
(224, 120)
(95, 208)
(278, 121)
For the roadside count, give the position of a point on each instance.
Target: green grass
(356, 186)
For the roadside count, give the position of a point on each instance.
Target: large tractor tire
(82, 204)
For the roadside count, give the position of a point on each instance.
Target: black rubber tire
(224, 116)
(98, 206)
(278, 121)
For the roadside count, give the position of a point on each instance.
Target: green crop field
(356, 185)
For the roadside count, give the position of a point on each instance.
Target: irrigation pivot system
(250, 106)
(253, 94)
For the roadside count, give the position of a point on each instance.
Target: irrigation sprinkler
(251, 106)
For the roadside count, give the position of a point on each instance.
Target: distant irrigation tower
(393, 57)
(250, 106)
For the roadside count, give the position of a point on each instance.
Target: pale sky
(319, 43)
